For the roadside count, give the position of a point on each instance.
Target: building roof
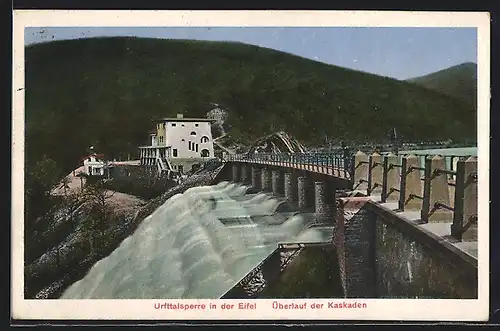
(180, 118)
(97, 156)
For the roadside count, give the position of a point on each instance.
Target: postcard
(240, 165)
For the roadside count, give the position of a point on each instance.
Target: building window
(189, 145)
(174, 152)
(182, 124)
(205, 153)
(183, 139)
(173, 124)
(204, 139)
(196, 148)
(196, 124)
(193, 133)
(89, 160)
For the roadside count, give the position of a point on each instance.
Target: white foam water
(198, 244)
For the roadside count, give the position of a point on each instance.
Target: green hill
(458, 81)
(106, 91)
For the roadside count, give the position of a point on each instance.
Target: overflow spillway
(198, 244)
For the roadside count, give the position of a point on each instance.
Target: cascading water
(196, 245)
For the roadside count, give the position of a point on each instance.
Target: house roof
(97, 156)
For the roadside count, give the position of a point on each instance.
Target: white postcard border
(376, 309)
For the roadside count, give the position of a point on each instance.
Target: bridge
(389, 213)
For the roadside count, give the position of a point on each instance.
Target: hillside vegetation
(106, 91)
(458, 81)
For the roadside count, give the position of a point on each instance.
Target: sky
(397, 52)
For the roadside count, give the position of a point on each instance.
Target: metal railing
(336, 164)
(450, 161)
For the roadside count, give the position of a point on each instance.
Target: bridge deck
(319, 169)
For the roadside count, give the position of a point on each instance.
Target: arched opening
(193, 133)
(204, 139)
(205, 153)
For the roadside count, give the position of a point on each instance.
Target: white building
(95, 165)
(178, 143)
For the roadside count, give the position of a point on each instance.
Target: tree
(100, 211)
(71, 203)
(40, 180)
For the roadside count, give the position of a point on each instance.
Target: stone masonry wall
(355, 248)
(409, 267)
(382, 255)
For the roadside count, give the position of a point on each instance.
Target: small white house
(94, 165)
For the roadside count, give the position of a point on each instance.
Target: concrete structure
(385, 251)
(397, 183)
(245, 174)
(411, 184)
(324, 202)
(290, 185)
(375, 174)
(302, 194)
(464, 225)
(360, 171)
(256, 177)
(277, 182)
(436, 188)
(400, 231)
(390, 182)
(442, 210)
(236, 173)
(383, 254)
(178, 143)
(266, 176)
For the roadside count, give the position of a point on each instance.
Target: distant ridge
(459, 82)
(106, 91)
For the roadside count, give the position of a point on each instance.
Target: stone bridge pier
(245, 174)
(290, 186)
(236, 173)
(266, 177)
(256, 176)
(324, 201)
(307, 190)
(277, 181)
(303, 191)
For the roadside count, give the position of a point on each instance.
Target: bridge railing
(444, 188)
(336, 163)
